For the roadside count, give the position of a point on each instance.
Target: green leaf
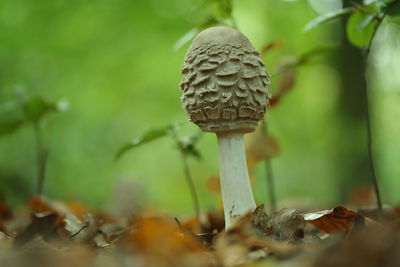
(35, 108)
(15, 114)
(188, 146)
(11, 117)
(224, 9)
(360, 37)
(186, 38)
(382, 3)
(309, 55)
(368, 19)
(10, 126)
(327, 17)
(147, 137)
(392, 10)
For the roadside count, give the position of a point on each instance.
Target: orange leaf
(40, 205)
(77, 208)
(161, 241)
(336, 220)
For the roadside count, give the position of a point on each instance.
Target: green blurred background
(114, 62)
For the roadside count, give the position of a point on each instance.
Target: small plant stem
(41, 158)
(371, 159)
(188, 177)
(269, 175)
(375, 184)
(369, 144)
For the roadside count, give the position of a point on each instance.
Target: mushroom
(225, 92)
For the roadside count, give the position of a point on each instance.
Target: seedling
(31, 110)
(186, 147)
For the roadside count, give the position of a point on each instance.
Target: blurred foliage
(32, 109)
(364, 19)
(186, 144)
(115, 62)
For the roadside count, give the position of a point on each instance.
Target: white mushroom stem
(237, 195)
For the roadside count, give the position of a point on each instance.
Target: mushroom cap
(225, 83)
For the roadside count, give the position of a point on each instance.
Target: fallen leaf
(245, 243)
(337, 220)
(235, 244)
(212, 223)
(73, 224)
(286, 225)
(161, 242)
(260, 218)
(43, 224)
(377, 245)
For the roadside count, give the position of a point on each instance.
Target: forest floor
(47, 233)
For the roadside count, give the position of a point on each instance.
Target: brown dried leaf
(244, 242)
(260, 218)
(210, 222)
(376, 245)
(234, 246)
(43, 224)
(286, 84)
(161, 242)
(40, 205)
(337, 220)
(258, 148)
(286, 225)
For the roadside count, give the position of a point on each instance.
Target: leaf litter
(51, 233)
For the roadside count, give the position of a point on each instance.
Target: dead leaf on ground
(42, 224)
(374, 246)
(161, 242)
(337, 220)
(286, 225)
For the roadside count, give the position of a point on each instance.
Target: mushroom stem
(237, 195)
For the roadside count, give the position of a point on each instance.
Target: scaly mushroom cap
(225, 84)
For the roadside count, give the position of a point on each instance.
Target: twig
(86, 225)
(179, 223)
(269, 175)
(188, 177)
(41, 158)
